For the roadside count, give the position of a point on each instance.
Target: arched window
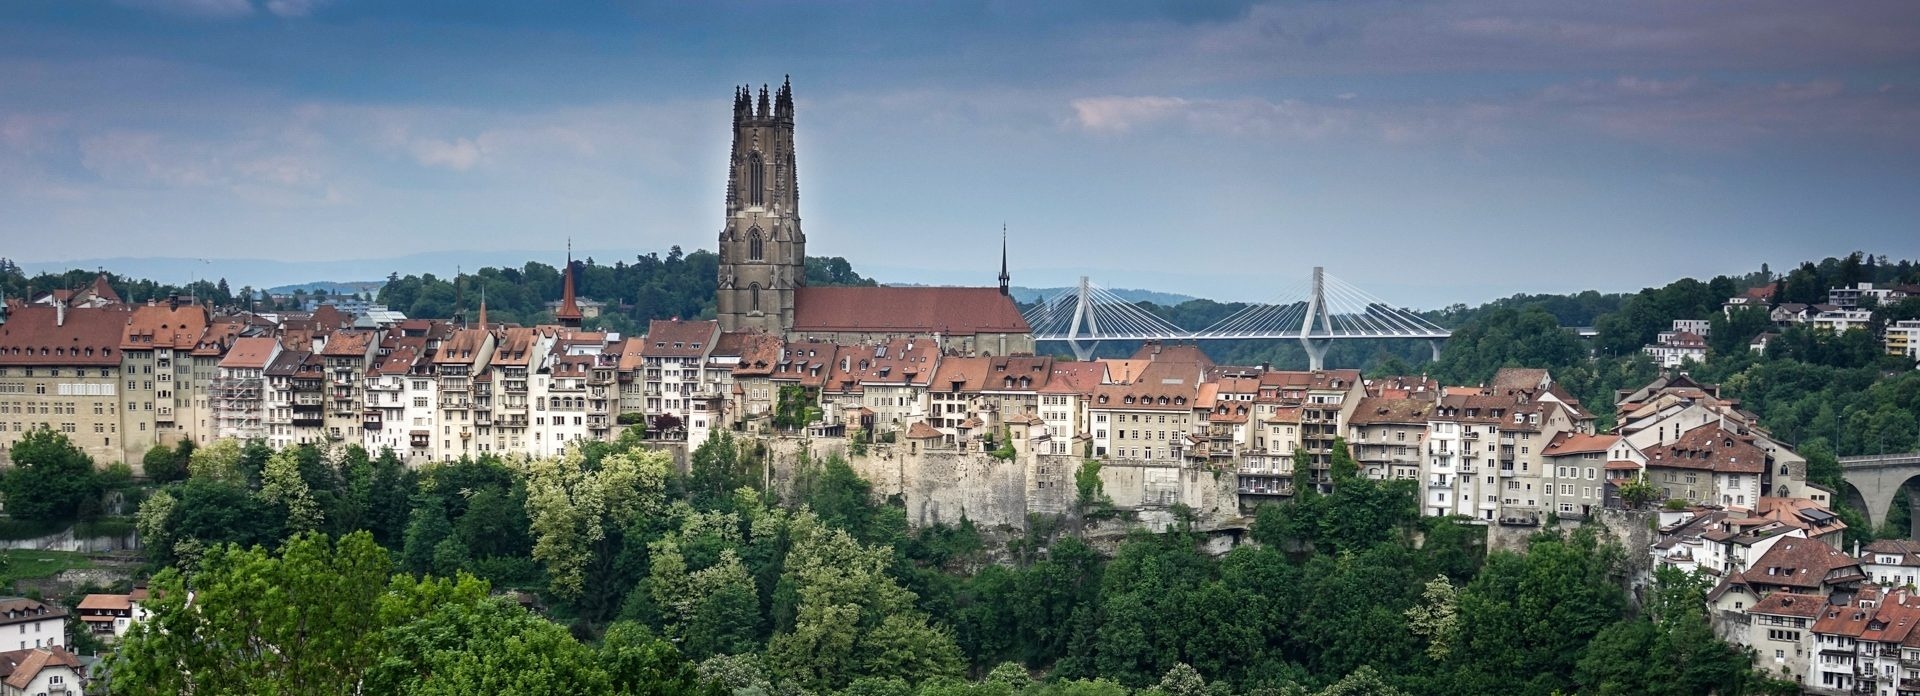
(756, 180)
(756, 289)
(756, 248)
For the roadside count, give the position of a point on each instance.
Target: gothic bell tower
(763, 254)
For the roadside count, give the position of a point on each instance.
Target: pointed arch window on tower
(756, 180)
(755, 306)
(756, 248)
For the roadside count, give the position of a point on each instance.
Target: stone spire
(569, 312)
(483, 306)
(1004, 278)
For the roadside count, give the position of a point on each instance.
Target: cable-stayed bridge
(1317, 312)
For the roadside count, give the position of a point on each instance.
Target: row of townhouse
(115, 378)
(1832, 621)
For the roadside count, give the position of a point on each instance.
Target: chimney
(59, 312)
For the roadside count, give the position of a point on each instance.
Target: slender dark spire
(764, 110)
(1004, 278)
(569, 312)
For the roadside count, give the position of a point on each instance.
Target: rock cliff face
(942, 486)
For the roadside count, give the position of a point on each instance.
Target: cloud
(200, 9)
(294, 8)
(458, 155)
(1688, 113)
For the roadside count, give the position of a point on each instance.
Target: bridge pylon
(1317, 314)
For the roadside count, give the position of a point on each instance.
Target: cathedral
(763, 260)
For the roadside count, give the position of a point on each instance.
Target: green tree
(637, 662)
(295, 622)
(572, 509)
(50, 480)
(282, 486)
(1525, 618)
(160, 465)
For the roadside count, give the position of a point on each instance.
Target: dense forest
(350, 573)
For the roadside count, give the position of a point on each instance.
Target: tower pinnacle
(1004, 278)
(569, 312)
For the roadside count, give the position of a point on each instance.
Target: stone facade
(762, 250)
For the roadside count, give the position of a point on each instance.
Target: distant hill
(331, 287)
(1028, 295)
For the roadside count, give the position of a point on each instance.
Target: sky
(1431, 152)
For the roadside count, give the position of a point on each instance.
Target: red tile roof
(165, 326)
(1710, 448)
(348, 344)
(90, 336)
(251, 353)
(22, 666)
(1579, 443)
(673, 338)
(916, 310)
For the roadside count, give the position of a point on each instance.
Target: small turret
(764, 111)
(783, 102)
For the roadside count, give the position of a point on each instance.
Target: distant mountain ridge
(1029, 295)
(283, 277)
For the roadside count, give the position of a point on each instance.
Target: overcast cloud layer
(1433, 152)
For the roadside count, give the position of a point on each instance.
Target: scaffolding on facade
(238, 407)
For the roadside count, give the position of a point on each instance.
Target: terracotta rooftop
(1374, 410)
(673, 338)
(348, 344)
(906, 310)
(1710, 448)
(251, 353)
(464, 347)
(164, 326)
(105, 602)
(1579, 443)
(1519, 378)
(90, 336)
(21, 667)
(759, 354)
(1162, 387)
(1073, 377)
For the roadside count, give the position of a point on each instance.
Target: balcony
(1266, 491)
(1440, 484)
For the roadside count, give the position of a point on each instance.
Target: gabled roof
(105, 602)
(1805, 564)
(759, 354)
(673, 338)
(1710, 448)
(464, 347)
(164, 326)
(1161, 387)
(348, 344)
(1375, 410)
(514, 348)
(21, 667)
(1568, 443)
(1074, 377)
(1520, 378)
(906, 310)
(251, 353)
(33, 335)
